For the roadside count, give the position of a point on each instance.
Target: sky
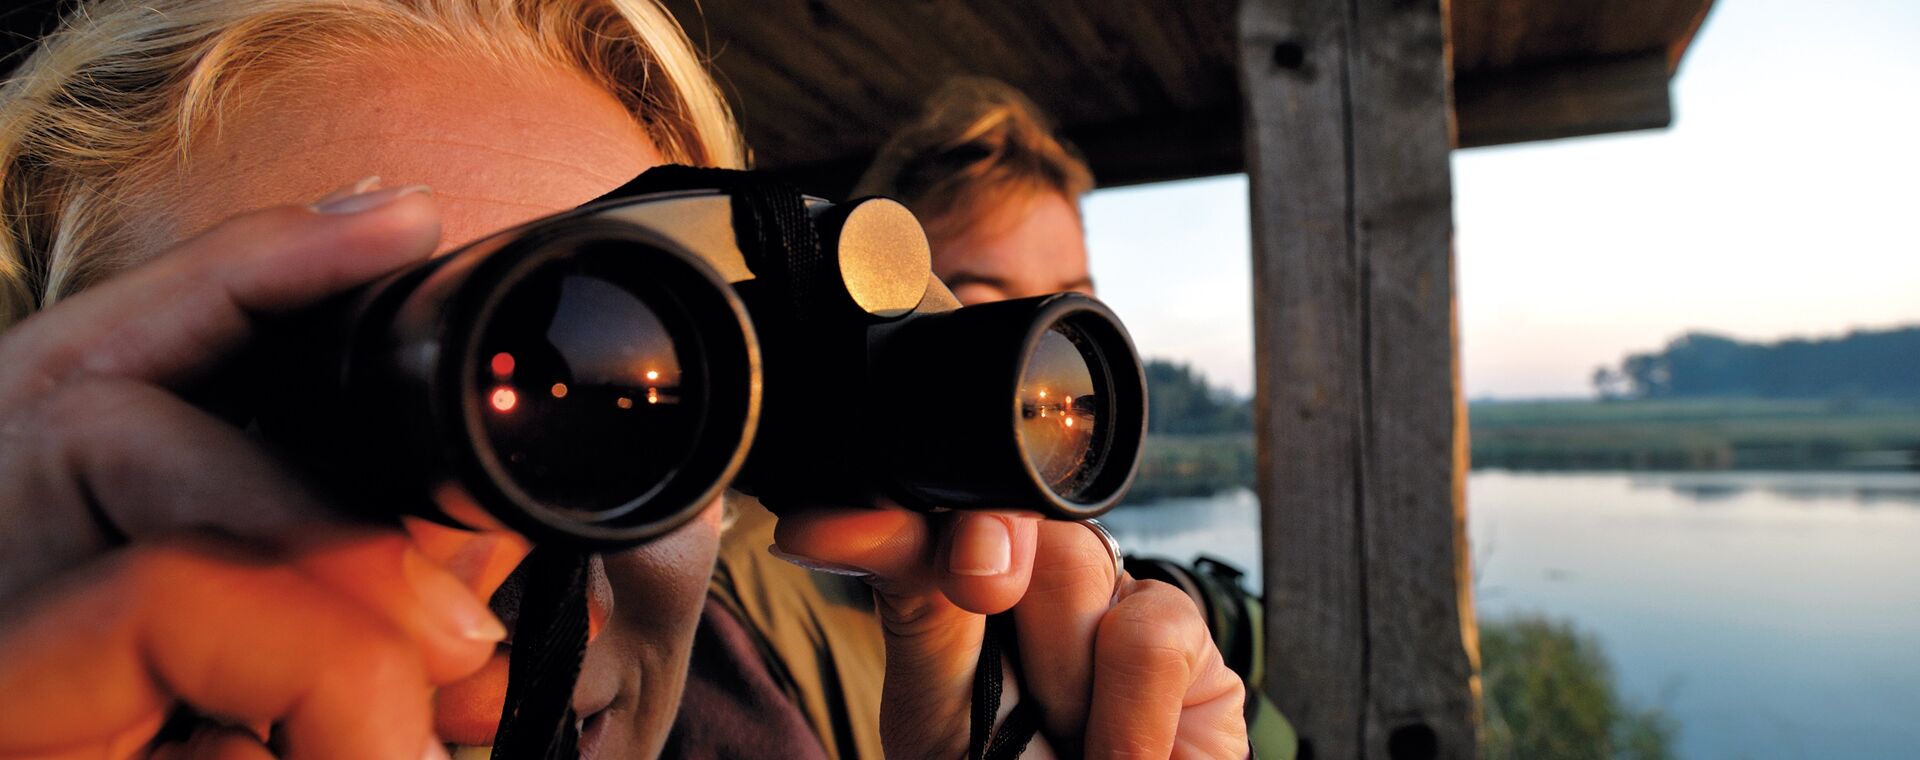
(1784, 201)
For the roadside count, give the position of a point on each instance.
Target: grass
(1703, 434)
(1193, 465)
(1613, 435)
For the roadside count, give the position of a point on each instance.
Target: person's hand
(1116, 671)
(152, 556)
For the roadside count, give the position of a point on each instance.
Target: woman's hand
(95, 438)
(152, 556)
(1116, 671)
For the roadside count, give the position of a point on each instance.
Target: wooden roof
(1147, 88)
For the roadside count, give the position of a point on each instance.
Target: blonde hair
(112, 98)
(976, 142)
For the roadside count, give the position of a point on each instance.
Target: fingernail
(982, 545)
(365, 184)
(367, 201)
(450, 600)
(435, 750)
(818, 566)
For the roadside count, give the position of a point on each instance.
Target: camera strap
(1021, 723)
(770, 225)
(549, 644)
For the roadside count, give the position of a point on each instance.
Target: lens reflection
(594, 409)
(1061, 414)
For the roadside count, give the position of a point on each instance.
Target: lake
(1774, 615)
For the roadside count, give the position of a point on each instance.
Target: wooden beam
(1565, 99)
(1539, 103)
(1348, 135)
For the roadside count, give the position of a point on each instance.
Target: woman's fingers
(1071, 592)
(149, 464)
(93, 439)
(455, 631)
(980, 560)
(104, 458)
(173, 319)
(1133, 677)
(202, 623)
(893, 543)
(1160, 688)
(935, 576)
(987, 559)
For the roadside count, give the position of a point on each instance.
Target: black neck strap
(770, 224)
(549, 644)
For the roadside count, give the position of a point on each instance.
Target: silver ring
(1113, 550)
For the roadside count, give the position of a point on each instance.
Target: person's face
(499, 145)
(1027, 244)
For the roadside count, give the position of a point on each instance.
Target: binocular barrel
(600, 376)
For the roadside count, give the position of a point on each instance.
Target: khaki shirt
(819, 633)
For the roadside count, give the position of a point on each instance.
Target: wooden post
(1348, 134)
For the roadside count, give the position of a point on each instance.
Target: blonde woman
(174, 171)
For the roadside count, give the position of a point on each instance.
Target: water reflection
(1226, 526)
(1774, 615)
(1058, 405)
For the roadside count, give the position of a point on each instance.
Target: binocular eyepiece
(600, 376)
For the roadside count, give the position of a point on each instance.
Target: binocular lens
(1061, 412)
(589, 393)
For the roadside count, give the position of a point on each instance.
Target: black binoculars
(600, 375)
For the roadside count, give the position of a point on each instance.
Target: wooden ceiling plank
(738, 45)
(1562, 29)
(746, 67)
(1208, 143)
(1094, 57)
(1678, 47)
(1136, 66)
(986, 47)
(1509, 33)
(1568, 100)
(1162, 36)
(1141, 85)
(1471, 30)
(1063, 85)
(957, 44)
(1212, 64)
(823, 60)
(778, 118)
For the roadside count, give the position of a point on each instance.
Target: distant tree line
(1861, 364)
(1182, 402)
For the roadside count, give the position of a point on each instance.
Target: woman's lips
(593, 733)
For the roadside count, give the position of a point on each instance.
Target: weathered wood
(1348, 135)
(821, 83)
(1490, 35)
(1420, 696)
(1308, 354)
(1565, 100)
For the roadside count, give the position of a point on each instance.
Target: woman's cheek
(662, 584)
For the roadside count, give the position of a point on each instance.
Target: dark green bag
(1236, 620)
